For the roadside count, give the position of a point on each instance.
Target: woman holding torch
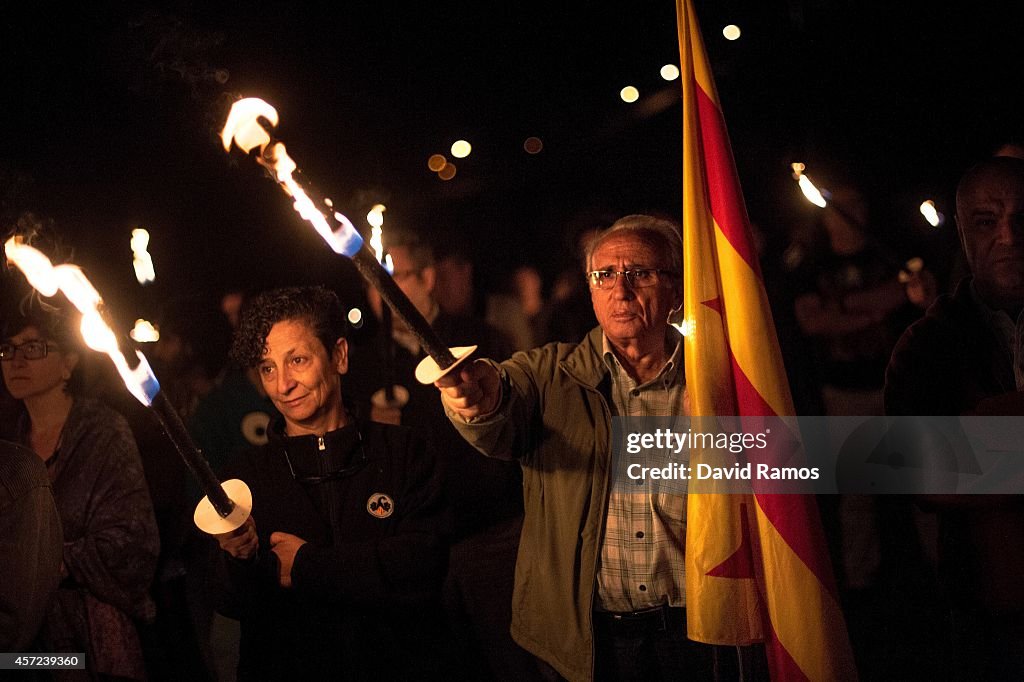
(110, 535)
(337, 573)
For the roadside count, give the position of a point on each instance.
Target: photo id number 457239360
(42, 661)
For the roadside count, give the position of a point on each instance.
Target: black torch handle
(374, 273)
(175, 430)
(388, 351)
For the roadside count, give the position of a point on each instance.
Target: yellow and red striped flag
(756, 565)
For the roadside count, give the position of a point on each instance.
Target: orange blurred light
(533, 145)
(448, 172)
(436, 162)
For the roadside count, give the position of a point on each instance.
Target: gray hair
(663, 234)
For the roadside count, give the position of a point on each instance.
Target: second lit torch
(244, 130)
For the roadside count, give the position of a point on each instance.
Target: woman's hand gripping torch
(226, 506)
(244, 130)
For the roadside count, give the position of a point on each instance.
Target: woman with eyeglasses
(110, 534)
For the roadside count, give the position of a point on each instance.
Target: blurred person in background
(966, 357)
(110, 535)
(569, 314)
(455, 290)
(485, 495)
(517, 313)
(851, 306)
(31, 546)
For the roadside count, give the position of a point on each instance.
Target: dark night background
(111, 109)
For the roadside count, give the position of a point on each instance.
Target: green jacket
(554, 418)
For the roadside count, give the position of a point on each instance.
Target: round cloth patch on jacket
(380, 505)
(254, 427)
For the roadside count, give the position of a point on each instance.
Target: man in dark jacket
(337, 573)
(967, 357)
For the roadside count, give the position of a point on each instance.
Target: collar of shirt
(661, 396)
(666, 377)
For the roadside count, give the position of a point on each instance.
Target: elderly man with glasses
(600, 575)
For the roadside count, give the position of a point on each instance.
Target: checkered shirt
(642, 560)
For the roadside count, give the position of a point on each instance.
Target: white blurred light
(461, 149)
(811, 192)
(807, 187)
(731, 32)
(670, 72)
(629, 94)
(685, 327)
(934, 218)
(355, 317)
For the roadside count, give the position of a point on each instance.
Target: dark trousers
(652, 645)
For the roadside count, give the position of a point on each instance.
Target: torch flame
(934, 218)
(376, 219)
(144, 332)
(141, 260)
(807, 187)
(244, 129)
(376, 215)
(37, 267)
(243, 125)
(47, 279)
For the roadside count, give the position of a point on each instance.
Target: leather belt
(655, 619)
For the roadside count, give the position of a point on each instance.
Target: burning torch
(244, 130)
(226, 506)
(392, 395)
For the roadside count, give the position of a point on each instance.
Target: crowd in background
(842, 289)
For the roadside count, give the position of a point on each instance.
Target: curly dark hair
(316, 306)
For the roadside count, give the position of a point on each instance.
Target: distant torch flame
(47, 279)
(144, 332)
(244, 129)
(143, 262)
(807, 187)
(376, 219)
(934, 218)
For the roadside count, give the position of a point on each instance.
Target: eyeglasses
(30, 350)
(636, 279)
